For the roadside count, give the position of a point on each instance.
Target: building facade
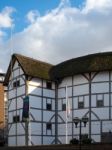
(3, 108)
(87, 82)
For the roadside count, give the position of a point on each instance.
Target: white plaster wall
(11, 141)
(20, 129)
(15, 65)
(12, 104)
(35, 128)
(47, 140)
(47, 115)
(21, 140)
(107, 126)
(81, 90)
(20, 90)
(100, 87)
(101, 76)
(79, 79)
(35, 102)
(34, 90)
(12, 129)
(102, 113)
(95, 127)
(49, 93)
(36, 140)
(36, 114)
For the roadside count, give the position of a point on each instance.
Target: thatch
(85, 64)
(30, 66)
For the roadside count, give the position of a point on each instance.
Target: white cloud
(5, 17)
(32, 16)
(99, 5)
(65, 32)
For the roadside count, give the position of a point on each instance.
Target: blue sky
(54, 30)
(22, 7)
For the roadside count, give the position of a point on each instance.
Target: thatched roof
(30, 66)
(84, 64)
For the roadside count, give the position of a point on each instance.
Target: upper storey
(30, 67)
(85, 64)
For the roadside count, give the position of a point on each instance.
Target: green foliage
(74, 141)
(86, 141)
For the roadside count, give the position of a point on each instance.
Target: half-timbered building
(88, 80)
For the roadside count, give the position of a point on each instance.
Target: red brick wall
(1, 105)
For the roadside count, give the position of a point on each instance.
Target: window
(48, 126)
(16, 118)
(16, 83)
(80, 105)
(63, 107)
(48, 106)
(49, 85)
(100, 103)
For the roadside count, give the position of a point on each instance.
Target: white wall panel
(15, 65)
(75, 103)
(47, 115)
(12, 130)
(103, 113)
(36, 114)
(86, 101)
(80, 113)
(12, 104)
(93, 100)
(35, 128)
(21, 71)
(79, 79)
(19, 102)
(100, 87)
(47, 140)
(61, 93)
(49, 93)
(95, 127)
(106, 100)
(20, 90)
(36, 140)
(21, 140)
(80, 90)
(12, 93)
(107, 126)
(35, 101)
(102, 76)
(34, 90)
(35, 82)
(11, 141)
(20, 129)
(15, 73)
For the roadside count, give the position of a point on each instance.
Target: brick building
(3, 107)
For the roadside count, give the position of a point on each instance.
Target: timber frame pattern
(57, 75)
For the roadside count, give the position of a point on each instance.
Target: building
(87, 82)
(3, 108)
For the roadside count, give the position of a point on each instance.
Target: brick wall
(1, 105)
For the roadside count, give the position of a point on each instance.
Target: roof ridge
(33, 59)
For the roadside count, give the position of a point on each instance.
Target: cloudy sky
(54, 30)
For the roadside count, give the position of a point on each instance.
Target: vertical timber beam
(109, 95)
(56, 112)
(42, 115)
(89, 105)
(72, 109)
(26, 122)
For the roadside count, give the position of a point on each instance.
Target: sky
(54, 30)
